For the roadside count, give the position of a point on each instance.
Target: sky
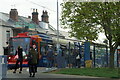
(25, 8)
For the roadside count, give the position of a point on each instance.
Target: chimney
(45, 16)
(35, 16)
(14, 14)
(29, 17)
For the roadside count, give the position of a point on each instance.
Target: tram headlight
(9, 57)
(26, 57)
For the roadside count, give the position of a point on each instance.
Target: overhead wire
(40, 5)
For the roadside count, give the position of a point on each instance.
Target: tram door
(43, 51)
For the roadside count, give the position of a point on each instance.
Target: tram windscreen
(23, 42)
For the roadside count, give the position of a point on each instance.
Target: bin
(3, 66)
(88, 63)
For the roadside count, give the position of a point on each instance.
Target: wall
(1, 49)
(3, 37)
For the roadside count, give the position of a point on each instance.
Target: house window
(7, 35)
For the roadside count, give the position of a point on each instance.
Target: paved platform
(40, 75)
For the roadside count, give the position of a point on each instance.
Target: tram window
(43, 50)
(24, 42)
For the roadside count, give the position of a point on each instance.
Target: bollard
(3, 66)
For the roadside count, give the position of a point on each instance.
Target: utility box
(3, 66)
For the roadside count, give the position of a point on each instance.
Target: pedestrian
(6, 49)
(90, 55)
(50, 57)
(38, 56)
(78, 59)
(60, 58)
(20, 58)
(32, 61)
(74, 58)
(67, 58)
(63, 58)
(71, 58)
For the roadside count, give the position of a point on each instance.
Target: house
(5, 33)
(11, 24)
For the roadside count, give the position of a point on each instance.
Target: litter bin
(3, 66)
(88, 63)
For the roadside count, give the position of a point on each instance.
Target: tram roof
(45, 37)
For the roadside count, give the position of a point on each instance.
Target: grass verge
(96, 72)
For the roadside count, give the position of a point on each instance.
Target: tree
(87, 19)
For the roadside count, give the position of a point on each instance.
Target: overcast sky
(25, 8)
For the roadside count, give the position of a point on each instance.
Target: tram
(25, 41)
(42, 41)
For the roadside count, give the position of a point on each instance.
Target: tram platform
(42, 74)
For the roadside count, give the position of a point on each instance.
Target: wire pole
(57, 28)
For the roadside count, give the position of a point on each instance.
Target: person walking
(74, 54)
(50, 57)
(78, 59)
(20, 58)
(32, 61)
(60, 58)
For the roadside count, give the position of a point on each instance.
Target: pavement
(43, 75)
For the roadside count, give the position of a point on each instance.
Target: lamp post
(57, 28)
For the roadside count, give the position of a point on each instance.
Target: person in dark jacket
(32, 61)
(35, 48)
(20, 58)
(78, 59)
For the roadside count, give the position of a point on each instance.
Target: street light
(57, 28)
